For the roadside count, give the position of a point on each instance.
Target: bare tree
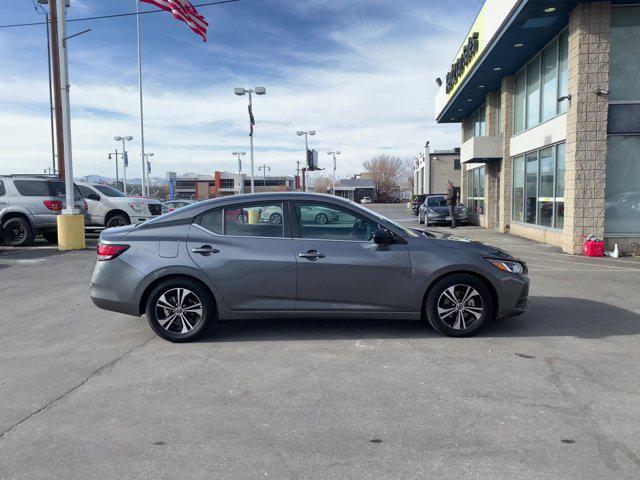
(388, 174)
(322, 183)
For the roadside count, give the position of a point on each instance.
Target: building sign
(458, 68)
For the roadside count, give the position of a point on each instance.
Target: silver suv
(29, 205)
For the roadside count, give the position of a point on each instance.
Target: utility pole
(57, 84)
(298, 173)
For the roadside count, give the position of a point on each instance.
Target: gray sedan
(196, 265)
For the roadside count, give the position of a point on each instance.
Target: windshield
(403, 229)
(109, 191)
(436, 202)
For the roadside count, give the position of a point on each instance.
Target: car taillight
(109, 252)
(54, 205)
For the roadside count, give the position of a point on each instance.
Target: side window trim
(296, 220)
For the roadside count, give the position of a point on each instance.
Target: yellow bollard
(71, 232)
(253, 216)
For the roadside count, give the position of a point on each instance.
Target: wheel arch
(115, 211)
(142, 303)
(492, 288)
(17, 214)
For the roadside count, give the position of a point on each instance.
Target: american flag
(183, 10)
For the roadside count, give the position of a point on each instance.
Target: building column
(491, 170)
(507, 92)
(587, 113)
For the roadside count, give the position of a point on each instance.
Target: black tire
(275, 218)
(322, 219)
(50, 236)
(18, 232)
(420, 219)
(171, 329)
(451, 325)
(242, 218)
(118, 220)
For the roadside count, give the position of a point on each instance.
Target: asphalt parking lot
(555, 393)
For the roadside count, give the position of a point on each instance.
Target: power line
(116, 15)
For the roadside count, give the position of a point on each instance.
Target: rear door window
(212, 221)
(259, 220)
(33, 188)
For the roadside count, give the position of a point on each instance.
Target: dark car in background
(416, 202)
(199, 264)
(434, 210)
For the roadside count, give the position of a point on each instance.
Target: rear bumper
(114, 286)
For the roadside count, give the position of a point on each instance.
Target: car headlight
(507, 266)
(137, 207)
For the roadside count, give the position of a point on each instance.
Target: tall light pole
(41, 9)
(147, 165)
(258, 91)
(306, 134)
(264, 169)
(116, 157)
(239, 160)
(125, 160)
(338, 152)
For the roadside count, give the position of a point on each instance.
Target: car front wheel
(458, 305)
(180, 310)
(119, 220)
(321, 219)
(275, 218)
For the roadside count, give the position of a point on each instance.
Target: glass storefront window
(533, 93)
(559, 203)
(538, 187)
(531, 187)
(623, 55)
(545, 192)
(539, 84)
(550, 82)
(475, 190)
(518, 189)
(622, 188)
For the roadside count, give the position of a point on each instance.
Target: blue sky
(360, 72)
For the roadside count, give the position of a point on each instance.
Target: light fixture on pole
(306, 134)
(264, 169)
(333, 186)
(239, 160)
(258, 91)
(125, 160)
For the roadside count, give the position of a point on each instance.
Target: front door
(339, 265)
(247, 252)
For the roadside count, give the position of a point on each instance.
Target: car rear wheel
(18, 232)
(119, 220)
(275, 218)
(321, 218)
(458, 305)
(420, 219)
(180, 310)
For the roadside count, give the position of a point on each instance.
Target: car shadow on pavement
(549, 316)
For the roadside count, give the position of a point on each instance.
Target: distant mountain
(130, 181)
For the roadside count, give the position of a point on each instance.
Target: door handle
(311, 255)
(205, 250)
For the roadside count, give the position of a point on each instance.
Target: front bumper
(515, 296)
(443, 219)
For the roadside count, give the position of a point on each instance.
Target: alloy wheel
(178, 310)
(321, 218)
(17, 233)
(460, 306)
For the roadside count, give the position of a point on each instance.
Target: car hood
(127, 200)
(462, 243)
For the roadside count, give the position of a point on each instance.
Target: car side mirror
(94, 196)
(382, 236)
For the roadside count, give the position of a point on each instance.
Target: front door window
(320, 221)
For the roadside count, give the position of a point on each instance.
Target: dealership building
(548, 97)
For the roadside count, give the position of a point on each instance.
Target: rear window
(33, 188)
(436, 202)
(2, 191)
(58, 190)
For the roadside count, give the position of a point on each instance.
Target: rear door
(249, 259)
(341, 268)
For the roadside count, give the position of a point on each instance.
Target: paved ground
(552, 394)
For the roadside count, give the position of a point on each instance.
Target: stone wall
(586, 148)
(505, 177)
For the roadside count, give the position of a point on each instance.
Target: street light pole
(117, 175)
(125, 160)
(147, 166)
(239, 160)
(264, 169)
(306, 134)
(333, 187)
(258, 91)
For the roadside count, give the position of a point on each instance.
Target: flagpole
(143, 186)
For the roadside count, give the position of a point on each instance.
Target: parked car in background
(172, 205)
(312, 213)
(417, 201)
(366, 200)
(435, 210)
(109, 207)
(198, 264)
(29, 205)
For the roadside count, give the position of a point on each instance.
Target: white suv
(110, 207)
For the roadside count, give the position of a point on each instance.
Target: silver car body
(262, 276)
(26, 196)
